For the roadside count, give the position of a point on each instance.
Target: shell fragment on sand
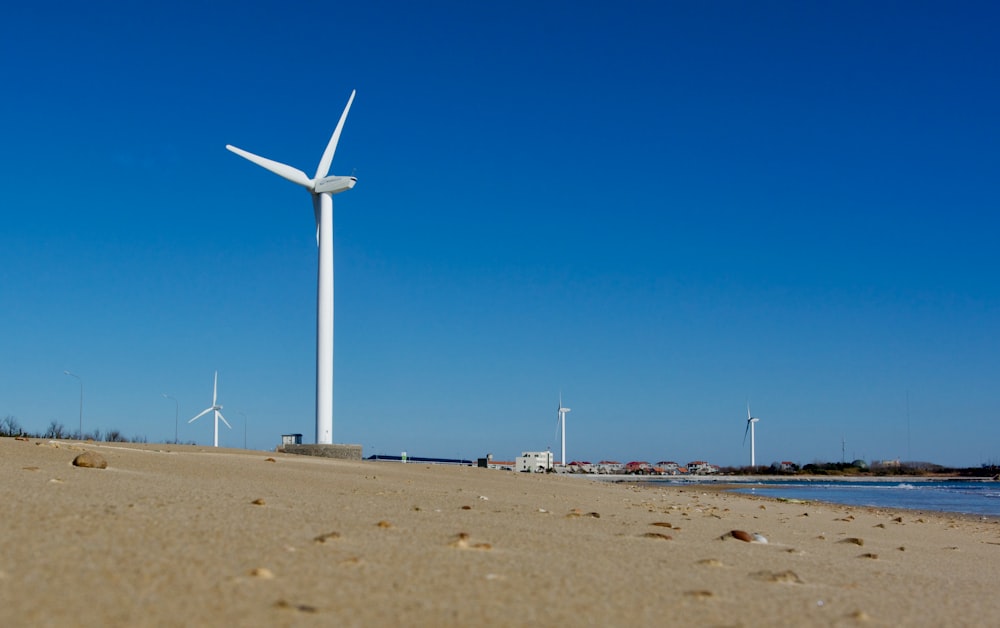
(746, 537)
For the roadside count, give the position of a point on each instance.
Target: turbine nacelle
(333, 184)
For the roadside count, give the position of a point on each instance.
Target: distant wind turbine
(215, 407)
(322, 188)
(750, 425)
(562, 422)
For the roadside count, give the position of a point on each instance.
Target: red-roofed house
(638, 467)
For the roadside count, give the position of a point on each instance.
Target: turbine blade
(284, 171)
(324, 164)
(219, 414)
(215, 388)
(746, 431)
(203, 413)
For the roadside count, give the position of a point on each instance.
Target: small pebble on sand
(329, 536)
(701, 594)
(789, 577)
(302, 608)
(658, 535)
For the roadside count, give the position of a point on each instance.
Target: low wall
(342, 452)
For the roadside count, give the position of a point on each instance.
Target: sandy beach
(180, 535)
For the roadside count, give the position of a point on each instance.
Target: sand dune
(177, 536)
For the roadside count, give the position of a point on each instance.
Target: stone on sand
(90, 460)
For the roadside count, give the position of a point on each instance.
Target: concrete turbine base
(341, 452)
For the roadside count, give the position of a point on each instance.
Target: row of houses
(641, 467)
(542, 462)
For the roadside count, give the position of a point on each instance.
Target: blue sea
(958, 496)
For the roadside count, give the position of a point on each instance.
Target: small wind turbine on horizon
(751, 420)
(322, 187)
(562, 422)
(215, 407)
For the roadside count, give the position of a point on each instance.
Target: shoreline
(739, 485)
(181, 535)
(749, 479)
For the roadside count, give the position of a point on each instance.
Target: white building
(534, 462)
(700, 467)
(669, 467)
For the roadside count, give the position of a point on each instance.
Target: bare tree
(55, 430)
(10, 427)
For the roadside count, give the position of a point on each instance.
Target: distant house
(788, 466)
(578, 466)
(882, 465)
(534, 462)
(609, 467)
(638, 467)
(489, 463)
(669, 467)
(700, 467)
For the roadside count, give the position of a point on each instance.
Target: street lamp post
(81, 399)
(176, 408)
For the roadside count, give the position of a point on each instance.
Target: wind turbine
(562, 421)
(215, 407)
(751, 420)
(322, 188)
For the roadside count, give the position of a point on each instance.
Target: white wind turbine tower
(215, 407)
(562, 422)
(322, 188)
(750, 425)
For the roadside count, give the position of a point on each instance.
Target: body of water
(967, 497)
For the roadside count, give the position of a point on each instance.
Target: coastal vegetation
(11, 427)
(861, 468)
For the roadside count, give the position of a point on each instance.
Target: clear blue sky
(661, 209)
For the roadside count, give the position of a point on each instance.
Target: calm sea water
(978, 498)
